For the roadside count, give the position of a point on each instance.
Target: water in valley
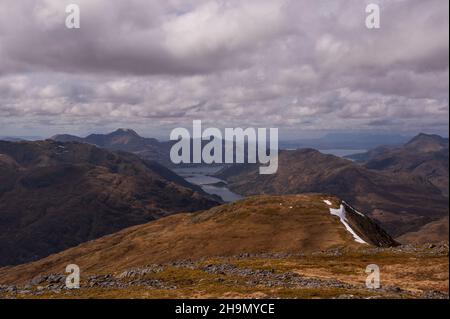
(201, 176)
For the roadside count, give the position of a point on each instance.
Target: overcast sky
(306, 67)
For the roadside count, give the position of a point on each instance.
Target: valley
(201, 176)
(400, 200)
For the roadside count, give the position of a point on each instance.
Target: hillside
(432, 232)
(425, 155)
(263, 224)
(400, 202)
(261, 247)
(57, 195)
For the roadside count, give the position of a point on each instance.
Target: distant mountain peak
(126, 131)
(124, 139)
(427, 136)
(427, 143)
(66, 138)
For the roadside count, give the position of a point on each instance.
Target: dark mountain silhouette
(424, 155)
(401, 202)
(56, 195)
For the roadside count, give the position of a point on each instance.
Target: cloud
(136, 37)
(157, 64)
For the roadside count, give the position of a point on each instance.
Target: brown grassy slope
(263, 224)
(406, 272)
(432, 232)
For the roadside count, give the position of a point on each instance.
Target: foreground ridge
(260, 224)
(335, 273)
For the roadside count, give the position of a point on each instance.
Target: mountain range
(399, 200)
(56, 195)
(393, 183)
(137, 229)
(125, 140)
(348, 141)
(129, 141)
(425, 155)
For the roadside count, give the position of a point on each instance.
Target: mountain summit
(263, 224)
(425, 156)
(125, 131)
(427, 143)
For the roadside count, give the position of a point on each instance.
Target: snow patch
(341, 213)
(359, 213)
(326, 201)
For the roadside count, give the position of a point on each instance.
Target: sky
(306, 67)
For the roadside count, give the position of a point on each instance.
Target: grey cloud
(295, 64)
(135, 37)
